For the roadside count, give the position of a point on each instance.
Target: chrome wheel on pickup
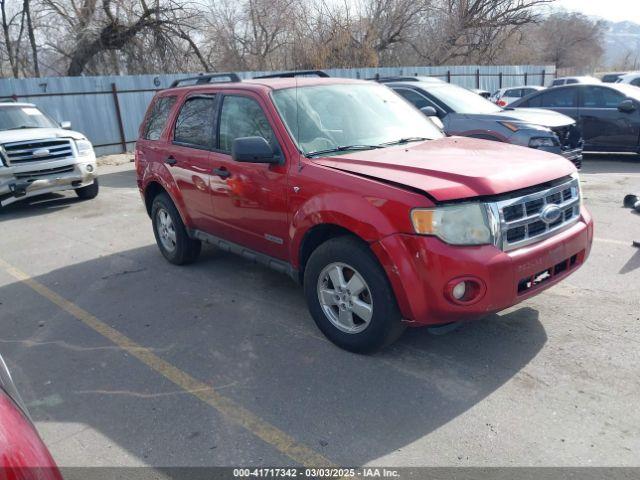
(345, 297)
(349, 296)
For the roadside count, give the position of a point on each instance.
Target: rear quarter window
(157, 118)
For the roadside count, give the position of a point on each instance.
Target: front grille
(17, 153)
(44, 173)
(533, 217)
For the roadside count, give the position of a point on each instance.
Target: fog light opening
(464, 291)
(89, 168)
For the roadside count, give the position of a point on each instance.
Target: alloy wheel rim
(345, 297)
(166, 230)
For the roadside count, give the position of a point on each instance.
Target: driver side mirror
(66, 125)
(429, 111)
(627, 106)
(253, 150)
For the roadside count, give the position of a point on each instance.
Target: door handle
(171, 161)
(222, 172)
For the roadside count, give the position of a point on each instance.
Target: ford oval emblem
(550, 213)
(41, 152)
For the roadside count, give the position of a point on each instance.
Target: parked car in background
(354, 193)
(505, 96)
(461, 112)
(608, 114)
(571, 80)
(632, 78)
(481, 92)
(611, 77)
(38, 156)
(23, 455)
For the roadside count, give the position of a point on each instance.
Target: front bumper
(574, 155)
(419, 269)
(18, 183)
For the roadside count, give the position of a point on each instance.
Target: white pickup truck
(39, 156)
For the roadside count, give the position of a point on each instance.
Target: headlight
(84, 147)
(517, 126)
(537, 142)
(464, 224)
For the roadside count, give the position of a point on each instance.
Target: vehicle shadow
(632, 263)
(121, 179)
(40, 205)
(245, 331)
(599, 163)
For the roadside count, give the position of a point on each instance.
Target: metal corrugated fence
(109, 109)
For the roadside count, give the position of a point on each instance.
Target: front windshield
(16, 116)
(461, 100)
(332, 116)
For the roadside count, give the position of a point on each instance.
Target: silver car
(461, 112)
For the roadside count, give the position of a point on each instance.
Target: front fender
(369, 218)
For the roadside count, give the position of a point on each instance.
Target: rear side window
(243, 117)
(571, 81)
(514, 92)
(157, 118)
(636, 82)
(195, 123)
(600, 97)
(557, 82)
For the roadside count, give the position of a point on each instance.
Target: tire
(89, 192)
(354, 258)
(171, 235)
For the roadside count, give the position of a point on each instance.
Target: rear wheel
(89, 192)
(349, 296)
(171, 234)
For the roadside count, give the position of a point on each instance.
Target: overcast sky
(615, 10)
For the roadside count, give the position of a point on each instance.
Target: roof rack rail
(298, 73)
(203, 79)
(395, 79)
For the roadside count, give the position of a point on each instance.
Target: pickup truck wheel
(350, 298)
(89, 192)
(171, 234)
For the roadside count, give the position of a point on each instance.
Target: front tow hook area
(19, 189)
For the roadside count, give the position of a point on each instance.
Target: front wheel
(89, 192)
(349, 296)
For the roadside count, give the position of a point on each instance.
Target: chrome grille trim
(17, 153)
(519, 227)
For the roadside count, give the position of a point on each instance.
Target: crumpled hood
(24, 134)
(536, 116)
(454, 168)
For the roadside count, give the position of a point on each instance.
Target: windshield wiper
(342, 148)
(23, 126)
(402, 141)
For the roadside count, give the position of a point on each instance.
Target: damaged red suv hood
(455, 167)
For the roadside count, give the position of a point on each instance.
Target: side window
(558, 98)
(157, 118)
(636, 82)
(243, 117)
(555, 83)
(571, 81)
(514, 92)
(413, 97)
(194, 125)
(527, 91)
(600, 97)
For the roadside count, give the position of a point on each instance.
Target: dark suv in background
(608, 115)
(461, 112)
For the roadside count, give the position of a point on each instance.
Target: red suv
(355, 194)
